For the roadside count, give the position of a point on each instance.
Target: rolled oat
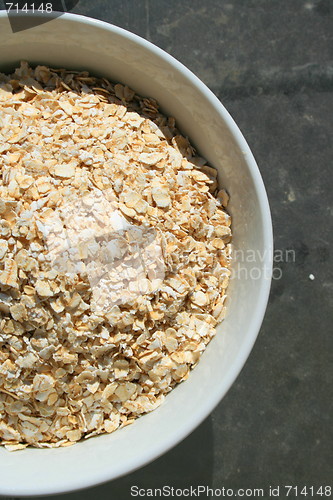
(114, 256)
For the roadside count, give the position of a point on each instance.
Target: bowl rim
(255, 322)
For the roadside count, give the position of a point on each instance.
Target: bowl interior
(76, 42)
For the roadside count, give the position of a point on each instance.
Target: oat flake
(114, 256)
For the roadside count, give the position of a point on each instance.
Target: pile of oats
(114, 256)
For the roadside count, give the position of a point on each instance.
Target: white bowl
(78, 42)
